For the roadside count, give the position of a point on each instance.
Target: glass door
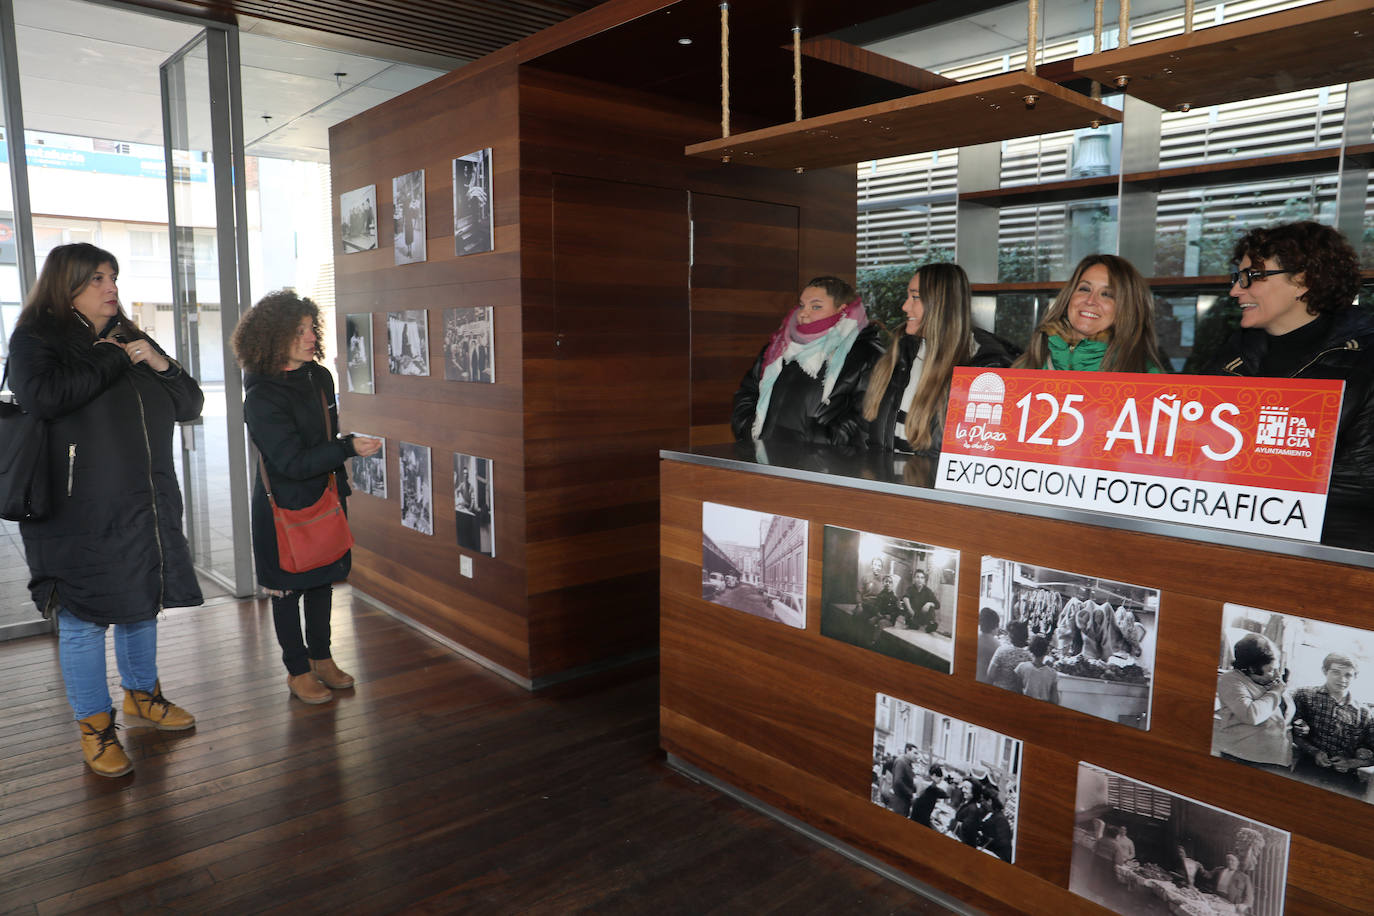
(206, 203)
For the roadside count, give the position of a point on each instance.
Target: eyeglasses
(1250, 275)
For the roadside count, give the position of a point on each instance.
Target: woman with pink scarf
(806, 383)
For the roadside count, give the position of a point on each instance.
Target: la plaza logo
(985, 397)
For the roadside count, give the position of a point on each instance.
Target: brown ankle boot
(331, 674)
(101, 747)
(308, 689)
(151, 708)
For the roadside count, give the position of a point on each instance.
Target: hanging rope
(796, 72)
(1097, 46)
(1032, 27)
(1187, 16)
(1124, 41)
(725, 70)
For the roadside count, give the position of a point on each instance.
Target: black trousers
(296, 651)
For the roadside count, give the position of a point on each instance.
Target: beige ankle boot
(101, 746)
(333, 676)
(308, 689)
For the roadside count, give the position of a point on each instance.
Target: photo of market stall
(1142, 851)
(1075, 640)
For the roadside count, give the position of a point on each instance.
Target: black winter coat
(795, 411)
(1348, 354)
(112, 551)
(287, 424)
(992, 353)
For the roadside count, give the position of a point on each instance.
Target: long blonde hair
(947, 329)
(1132, 346)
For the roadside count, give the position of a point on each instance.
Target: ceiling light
(684, 41)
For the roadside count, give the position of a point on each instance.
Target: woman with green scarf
(1102, 320)
(806, 384)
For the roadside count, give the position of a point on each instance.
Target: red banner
(1246, 454)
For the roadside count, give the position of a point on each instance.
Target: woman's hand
(365, 446)
(141, 351)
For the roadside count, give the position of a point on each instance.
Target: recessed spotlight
(684, 41)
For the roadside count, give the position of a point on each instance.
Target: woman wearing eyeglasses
(1296, 284)
(1102, 320)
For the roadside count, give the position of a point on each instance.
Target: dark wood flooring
(434, 786)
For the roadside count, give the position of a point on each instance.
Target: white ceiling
(92, 70)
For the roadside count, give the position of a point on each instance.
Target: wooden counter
(786, 715)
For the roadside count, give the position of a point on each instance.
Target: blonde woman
(904, 401)
(1102, 320)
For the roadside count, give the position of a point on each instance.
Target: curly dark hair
(262, 341)
(1329, 267)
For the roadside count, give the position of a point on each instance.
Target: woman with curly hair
(1296, 284)
(1102, 320)
(285, 396)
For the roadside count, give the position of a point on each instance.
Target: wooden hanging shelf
(1321, 44)
(966, 114)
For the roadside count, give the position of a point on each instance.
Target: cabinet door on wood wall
(744, 280)
(620, 300)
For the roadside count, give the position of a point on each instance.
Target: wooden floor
(433, 787)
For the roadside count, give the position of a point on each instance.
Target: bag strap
(262, 468)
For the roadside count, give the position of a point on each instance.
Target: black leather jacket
(993, 353)
(795, 410)
(1347, 354)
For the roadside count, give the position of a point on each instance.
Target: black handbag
(24, 492)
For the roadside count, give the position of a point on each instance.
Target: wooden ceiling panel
(964, 114)
(1320, 44)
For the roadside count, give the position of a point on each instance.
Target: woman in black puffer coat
(111, 550)
(904, 397)
(293, 420)
(802, 387)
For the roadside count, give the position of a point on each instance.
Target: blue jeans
(81, 649)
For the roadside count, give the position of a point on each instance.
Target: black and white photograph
(1291, 700)
(473, 499)
(472, 204)
(889, 595)
(1075, 640)
(948, 775)
(358, 219)
(408, 216)
(369, 474)
(407, 342)
(358, 350)
(754, 562)
(1140, 850)
(469, 355)
(417, 492)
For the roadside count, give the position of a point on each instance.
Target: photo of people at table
(1140, 850)
(889, 595)
(1071, 639)
(958, 779)
(1294, 697)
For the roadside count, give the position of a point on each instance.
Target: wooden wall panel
(415, 573)
(788, 714)
(745, 264)
(613, 348)
(596, 349)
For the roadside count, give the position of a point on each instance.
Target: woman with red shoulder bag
(293, 421)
